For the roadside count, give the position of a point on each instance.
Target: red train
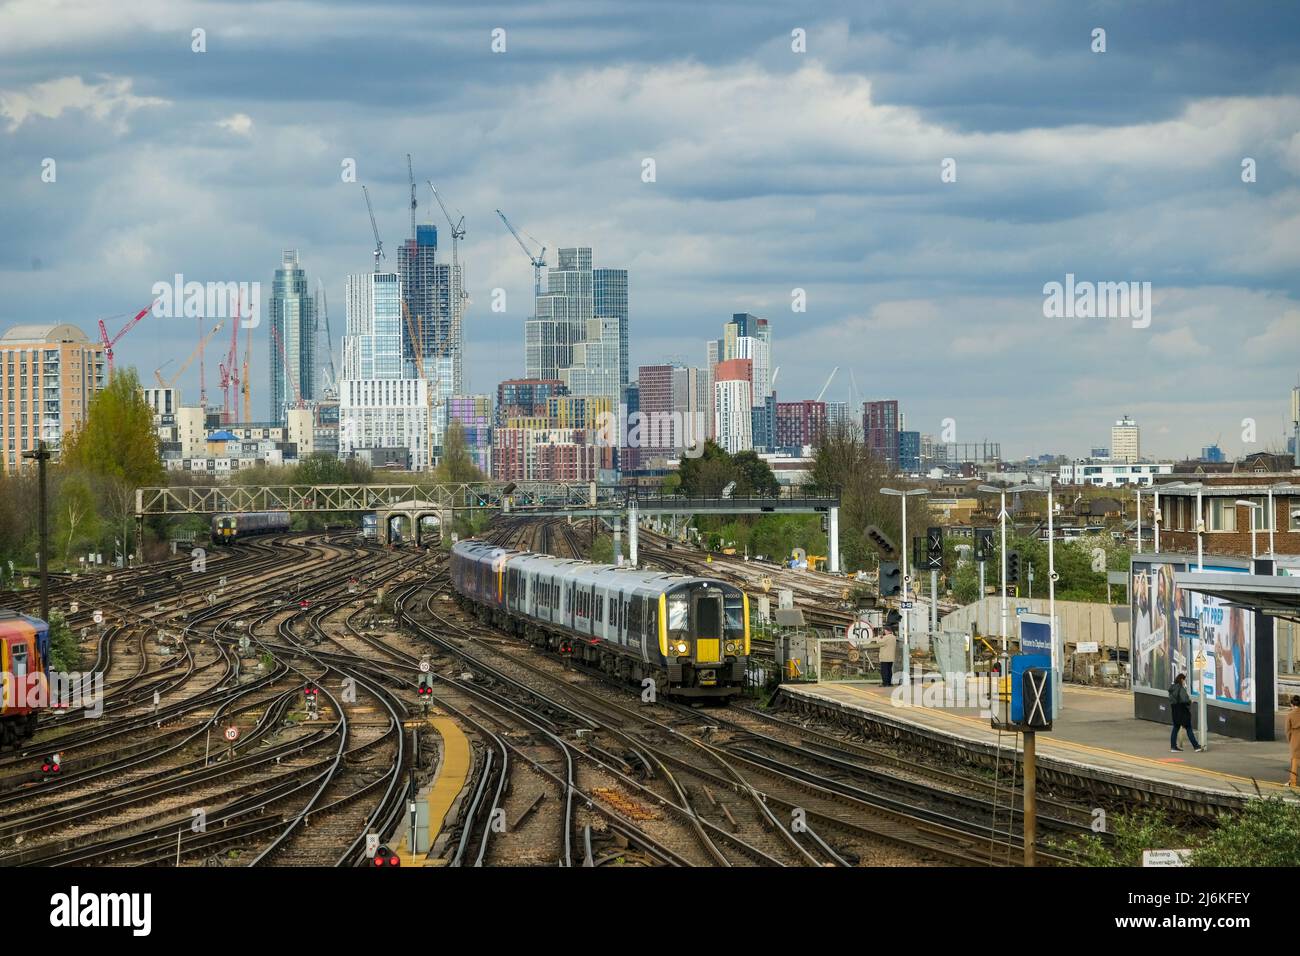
(25, 666)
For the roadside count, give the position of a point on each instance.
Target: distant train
(227, 529)
(25, 665)
(689, 634)
(370, 526)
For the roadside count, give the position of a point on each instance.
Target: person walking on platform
(1293, 737)
(888, 651)
(1180, 702)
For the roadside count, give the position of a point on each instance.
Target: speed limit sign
(232, 733)
(424, 667)
(99, 617)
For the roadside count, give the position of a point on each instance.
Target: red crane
(230, 369)
(109, 343)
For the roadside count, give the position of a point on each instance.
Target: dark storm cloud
(775, 171)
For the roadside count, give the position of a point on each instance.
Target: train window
(708, 622)
(652, 618)
(678, 613)
(18, 659)
(634, 617)
(735, 613)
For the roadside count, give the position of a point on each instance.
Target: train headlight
(681, 647)
(731, 647)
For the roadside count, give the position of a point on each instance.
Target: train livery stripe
(663, 625)
(745, 599)
(4, 669)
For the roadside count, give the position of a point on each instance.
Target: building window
(1293, 509)
(1223, 514)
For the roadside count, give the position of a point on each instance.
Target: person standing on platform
(1293, 737)
(888, 652)
(1180, 703)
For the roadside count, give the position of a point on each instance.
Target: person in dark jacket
(1180, 703)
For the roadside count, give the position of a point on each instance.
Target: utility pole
(1031, 795)
(41, 455)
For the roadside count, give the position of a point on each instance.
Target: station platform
(1096, 733)
(449, 780)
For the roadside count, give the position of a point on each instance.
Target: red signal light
(394, 860)
(378, 860)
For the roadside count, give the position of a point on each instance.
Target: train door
(706, 612)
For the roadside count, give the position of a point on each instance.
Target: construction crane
(229, 369)
(410, 174)
(374, 227)
(828, 383)
(538, 261)
(109, 343)
(244, 386)
(457, 234)
(324, 310)
(171, 383)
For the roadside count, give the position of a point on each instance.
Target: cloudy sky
(775, 170)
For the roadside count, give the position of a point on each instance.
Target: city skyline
(930, 292)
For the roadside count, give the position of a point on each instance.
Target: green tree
(65, 653)
(75, 518)
(457, 464)
(117, 439)
(706, 475)
(754, 476)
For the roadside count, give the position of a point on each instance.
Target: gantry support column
(834, 538)
(632, 524)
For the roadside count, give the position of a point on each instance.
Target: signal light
(891, 579)
(1013, 567)
(880, 541)
(983, 544)
(386, 857)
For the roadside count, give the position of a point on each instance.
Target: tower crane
(170, 383)
(410, 174)
(324, 310)
(538, 261)
(828, 383)
(244, 380)
(457, 234)
(229, 369)
(374, 227)
(109, 343)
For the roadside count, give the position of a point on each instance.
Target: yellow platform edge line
(452, 774)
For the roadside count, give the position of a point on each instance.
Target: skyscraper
(749, 337)
(381, 403)
(733, 408)
(431, 291)
(575, 294)
(292, 315)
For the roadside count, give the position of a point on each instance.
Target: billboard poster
(1160, 651)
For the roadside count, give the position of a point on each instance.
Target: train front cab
(704, 638)
(25, 662)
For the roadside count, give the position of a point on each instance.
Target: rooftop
(44, 334)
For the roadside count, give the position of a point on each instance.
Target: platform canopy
(1278, 595)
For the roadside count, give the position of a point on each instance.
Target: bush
(1265, 833)
(65, 652)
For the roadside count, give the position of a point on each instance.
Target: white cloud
(241, 124)
(108, 101)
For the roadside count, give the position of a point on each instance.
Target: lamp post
(1252, 506)
(1002, 518)
(907, 580)
(40, 454)
(1139, 514)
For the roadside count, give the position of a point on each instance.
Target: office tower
(48, 374)
(1125, 441)
(880, 430)
(676, 405)
(733, 405)
(575, 295)
(292, 314)
(431, 291)
(837, 415)
(381, 404)
(595, 365)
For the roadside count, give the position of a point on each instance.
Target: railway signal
(880, 540)
(425, 690)
(983, 544)
(52, 764)
(311, 695)
(890, 578)
(1013, 568)
(934, 549)
(385, 857)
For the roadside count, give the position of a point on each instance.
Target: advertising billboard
(1161, 650)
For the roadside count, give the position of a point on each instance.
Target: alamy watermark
(955, 690)
(61, 689)
(1098, 300)
(680, 431)
(209, 300)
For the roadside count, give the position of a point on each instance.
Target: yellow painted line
(452, 774)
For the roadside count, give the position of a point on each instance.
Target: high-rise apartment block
(48, 375)
(1125, 441)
